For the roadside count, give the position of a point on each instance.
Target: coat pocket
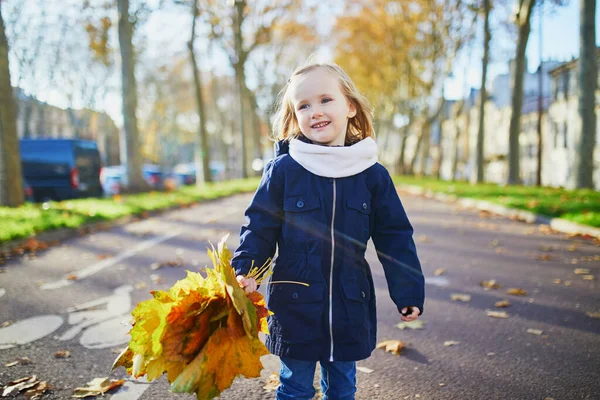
(358, 218)
(353, 326)
(298, 312)
(302, 222)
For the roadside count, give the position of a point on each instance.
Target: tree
(487, 36)
(202, 153)
(133, 159)
(583, 168)
(11, 184)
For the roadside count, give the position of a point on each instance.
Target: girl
(319, 202)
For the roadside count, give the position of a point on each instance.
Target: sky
(560, 42)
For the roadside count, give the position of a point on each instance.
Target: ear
(351, 110)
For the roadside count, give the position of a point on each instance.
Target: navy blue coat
(320, 227)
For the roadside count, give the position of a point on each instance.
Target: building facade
(37, 119)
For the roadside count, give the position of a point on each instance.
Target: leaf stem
(298, 283)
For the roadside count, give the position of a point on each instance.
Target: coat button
(300, 204)
(295, 296)
(365, 206)
(363, 295)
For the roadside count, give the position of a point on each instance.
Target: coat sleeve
(393, 238)
(259, 235)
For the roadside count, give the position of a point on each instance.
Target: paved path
(493, 359)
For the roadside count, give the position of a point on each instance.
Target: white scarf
(335, 162)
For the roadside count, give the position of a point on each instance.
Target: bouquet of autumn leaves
(202, 333)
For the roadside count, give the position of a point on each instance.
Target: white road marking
(131, 390)
(103, 328)
(28, 330)
(437, 281)
(109, 262)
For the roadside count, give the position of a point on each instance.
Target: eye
(326, 100)
(303, 106)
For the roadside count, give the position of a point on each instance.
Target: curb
(557, 224)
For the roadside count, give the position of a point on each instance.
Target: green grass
(581, 206)
(30, 219)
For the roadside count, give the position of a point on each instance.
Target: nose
(317, 113)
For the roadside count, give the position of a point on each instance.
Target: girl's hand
(410, 317)
(249, 284)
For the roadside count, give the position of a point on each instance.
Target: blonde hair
(285, 124)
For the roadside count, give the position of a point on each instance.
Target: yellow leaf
(516, 292)
(497, 314)
(417, 324)
(502, 304)
(460, 297)
(537, 332)
(593, 314)
(96, 387)
(492, 284)
(449, 343)
(439, 271)
(391, 346)
(581, 271)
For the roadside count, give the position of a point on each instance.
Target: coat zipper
(331, 273)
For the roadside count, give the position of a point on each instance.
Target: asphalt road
(490, 358)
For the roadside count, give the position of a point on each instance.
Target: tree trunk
(240, 77)
(426, 146)
(524, 25)
(483, 93)
(587, 71)
(11, 183)
(202, 155)
(437, 172)
(540, 147)
(133, 159)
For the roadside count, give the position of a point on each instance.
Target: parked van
(61, 169)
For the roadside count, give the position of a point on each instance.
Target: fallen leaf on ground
(535, 331)
(581, 271)
(417, 324)
(449, 343)
(593, 314)
(494, 243)
(173, 264)
(543, 257)
(423, 239)
(71, 277)
(568, 283)
(104, 256)
(502, 304)
(460, 297)
(16, 386)
(6, 323)
(272, 382)
(588, 277)
(391, 346)
(516, 292)
(557, 281)
(37, 391)
(20, 360)
(364, 369)
(492, 284)
(497, 314)
(62, 354)
(141, 285)
(96, 387)
(439, 271)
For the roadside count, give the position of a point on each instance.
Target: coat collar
(332, 162)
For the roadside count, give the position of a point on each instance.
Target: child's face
(321, 108)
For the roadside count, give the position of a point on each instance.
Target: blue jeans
(338, 380)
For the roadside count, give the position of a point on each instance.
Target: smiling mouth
(320, 125)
